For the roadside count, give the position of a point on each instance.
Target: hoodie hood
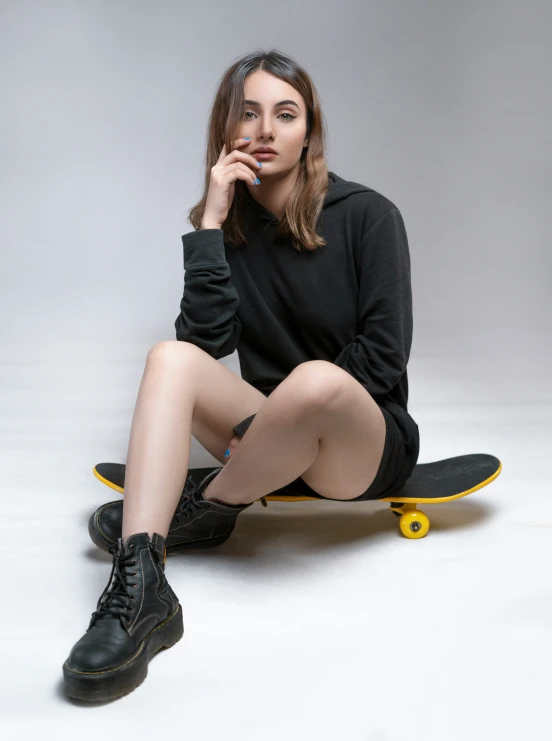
(338, 189)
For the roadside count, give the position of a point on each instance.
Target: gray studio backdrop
(444, 107)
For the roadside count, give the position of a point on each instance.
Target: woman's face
(281, 127)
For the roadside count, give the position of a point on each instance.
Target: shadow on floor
(300, 528)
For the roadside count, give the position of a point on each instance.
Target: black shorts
(392, 472)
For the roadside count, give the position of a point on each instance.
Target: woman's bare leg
(319, 424)
(282, 442)
(183, 390)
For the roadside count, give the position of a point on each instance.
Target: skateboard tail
(437, 500)
(107, 482)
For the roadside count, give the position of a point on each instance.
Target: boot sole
(104, 543)
(119, 681)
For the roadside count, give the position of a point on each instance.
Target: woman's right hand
(229, 168)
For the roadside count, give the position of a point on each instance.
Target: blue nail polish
(227, 453)
(247, 138)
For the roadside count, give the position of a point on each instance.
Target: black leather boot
(197, 523)
(137, 615)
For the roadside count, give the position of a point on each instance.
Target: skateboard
(430, 483)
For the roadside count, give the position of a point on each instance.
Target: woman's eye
(290, 117)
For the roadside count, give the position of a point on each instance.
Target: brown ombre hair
(305, 203)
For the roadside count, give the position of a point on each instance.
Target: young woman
(307, 275)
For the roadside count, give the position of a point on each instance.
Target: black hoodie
(349, 302)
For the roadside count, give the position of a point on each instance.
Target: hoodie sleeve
(208, 309)
(378, 355)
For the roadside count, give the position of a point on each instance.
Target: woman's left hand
(232, 445)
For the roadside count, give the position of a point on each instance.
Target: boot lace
(115, 598)
(188, 503)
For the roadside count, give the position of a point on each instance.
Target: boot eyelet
(135, 584)
(132, 596)
(132, 546)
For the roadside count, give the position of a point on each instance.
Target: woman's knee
(171, 351)
(313, 385)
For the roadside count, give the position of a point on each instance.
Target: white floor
(316, 620)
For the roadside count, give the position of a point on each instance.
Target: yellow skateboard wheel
(414, 524)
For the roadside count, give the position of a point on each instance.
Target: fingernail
(227, 453)
(247, 138)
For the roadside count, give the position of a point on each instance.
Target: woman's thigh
(390, 476)
(352, 431)
(351, 427)
(222, 398)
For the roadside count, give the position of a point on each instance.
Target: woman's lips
(264, 155)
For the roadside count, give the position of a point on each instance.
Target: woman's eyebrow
(276, 105)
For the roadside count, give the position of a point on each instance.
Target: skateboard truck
(413, 523)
